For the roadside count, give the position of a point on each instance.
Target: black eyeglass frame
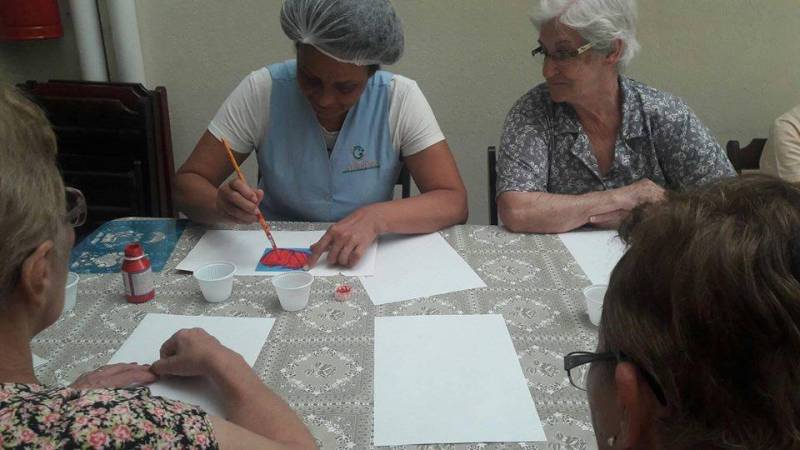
(577, 359)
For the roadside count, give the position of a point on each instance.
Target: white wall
(735, 62)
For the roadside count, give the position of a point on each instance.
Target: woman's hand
(189, 352)
(642, 191)
(347, 240)
(115, 376)
(610, 220)
(239, 202)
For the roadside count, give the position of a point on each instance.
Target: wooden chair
(491, 156)
(404, 180)
(747, 157)
(114, 144)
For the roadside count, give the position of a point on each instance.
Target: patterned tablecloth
(321, 359)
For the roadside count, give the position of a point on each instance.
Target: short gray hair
(598, 21)
(32, 200)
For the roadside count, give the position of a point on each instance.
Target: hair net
(361, 32)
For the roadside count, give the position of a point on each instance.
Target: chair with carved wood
(114, 144)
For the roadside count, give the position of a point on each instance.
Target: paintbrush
(261, 220)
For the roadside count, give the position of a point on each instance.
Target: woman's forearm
(425, 213)
(542, 212)
(197, 198)
(251, 405)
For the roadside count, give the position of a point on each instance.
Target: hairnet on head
(361, 32)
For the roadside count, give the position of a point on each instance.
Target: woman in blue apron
(331, 132)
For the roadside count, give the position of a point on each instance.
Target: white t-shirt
(244, 117)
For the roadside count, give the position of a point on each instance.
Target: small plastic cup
(293, 289)
(216, 281)
(70, 291)
(594, 295)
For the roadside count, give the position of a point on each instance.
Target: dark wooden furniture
(114, 145)
(404, 180)
(491, 156)
(747, 157)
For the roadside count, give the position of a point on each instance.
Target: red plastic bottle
(136, 275)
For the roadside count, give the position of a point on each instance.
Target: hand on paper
(610, 220)
(189, 352)
(347, 240)
(115, 376)
(239, 202)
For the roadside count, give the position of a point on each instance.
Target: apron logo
(358, 152)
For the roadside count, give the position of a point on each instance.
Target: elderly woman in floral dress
(590, 144)
(107, 408)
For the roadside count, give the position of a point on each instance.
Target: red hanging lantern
(29, 19)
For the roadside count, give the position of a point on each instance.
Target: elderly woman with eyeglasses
(589, 144)
(700, 332)
(109, 407)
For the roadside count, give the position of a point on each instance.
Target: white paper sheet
(245, 248)
(245, 335)
(597, 252)
(409, 267)
(450, 379)
(38, 361)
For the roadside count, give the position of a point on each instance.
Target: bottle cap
(134, 250)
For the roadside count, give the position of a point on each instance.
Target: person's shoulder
(402, 85)
(651, 97)
(534, 104)
(659, 105)
(791, 117)
(260, 77)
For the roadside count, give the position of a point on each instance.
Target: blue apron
(301, 181)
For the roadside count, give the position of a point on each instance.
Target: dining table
(320, 359)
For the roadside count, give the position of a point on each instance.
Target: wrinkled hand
(239, 202)
(610, 220)
(347, 240)
(189, 352)
(115, 376)
(642, 191)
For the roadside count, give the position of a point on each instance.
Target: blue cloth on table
(102, 251)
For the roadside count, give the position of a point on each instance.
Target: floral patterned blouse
(544, 148)
(33, 416)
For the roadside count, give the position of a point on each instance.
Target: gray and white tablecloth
(321, 359)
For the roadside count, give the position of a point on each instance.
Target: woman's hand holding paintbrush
(240, 202)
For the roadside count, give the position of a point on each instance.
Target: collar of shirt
(566, 120)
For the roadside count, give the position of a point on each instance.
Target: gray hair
(598, 21)
(32, 201)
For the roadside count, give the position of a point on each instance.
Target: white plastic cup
(594, 295)
(293, 289)
(216, 281)
(70, 291)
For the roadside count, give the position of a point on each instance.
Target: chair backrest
(491, 156)
(747, 157)
(404, 180)
(114, 144)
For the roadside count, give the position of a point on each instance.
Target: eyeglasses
(562, 55)
(76, 207)
(578, 365)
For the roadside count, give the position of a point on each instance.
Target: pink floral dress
(33, 416)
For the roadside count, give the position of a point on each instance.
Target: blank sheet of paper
(597, 252)
(38, 361)
(409, 267)
(245, 248)
(450, 379)
(244, 335)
